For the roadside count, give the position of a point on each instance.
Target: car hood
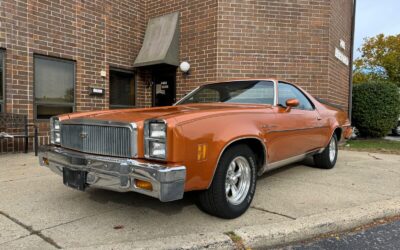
(180, 113)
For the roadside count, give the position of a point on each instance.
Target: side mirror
(291, 103)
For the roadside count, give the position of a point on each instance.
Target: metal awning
(161, 42)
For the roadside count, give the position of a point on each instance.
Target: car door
(296, 131)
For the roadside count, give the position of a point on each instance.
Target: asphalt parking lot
(38, 211)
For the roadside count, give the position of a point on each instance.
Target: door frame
(156, 72)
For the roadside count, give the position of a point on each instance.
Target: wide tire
(327, 159)
(228, 197)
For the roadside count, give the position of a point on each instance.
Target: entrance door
(164, 83)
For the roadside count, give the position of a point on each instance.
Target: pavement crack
(31, 230)
(376, 158)
(80, 218)
(272, 212)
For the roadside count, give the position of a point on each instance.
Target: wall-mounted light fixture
(185, 67)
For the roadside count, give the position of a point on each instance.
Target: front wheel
(233, 186)
(327, 159)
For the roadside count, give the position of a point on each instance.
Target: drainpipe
(351, 59)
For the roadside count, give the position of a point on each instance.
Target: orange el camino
(216, 140)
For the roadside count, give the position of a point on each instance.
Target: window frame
(126, 71)
(37, 103)
(308, 99)
(3, 82)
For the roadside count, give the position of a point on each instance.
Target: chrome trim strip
(290, 160)
(275, 93)
(296, 129)
(233, 141)
(96, 122)
(186, 96)
(118, 174)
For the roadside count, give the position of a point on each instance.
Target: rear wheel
(327, 159)
(233, 186)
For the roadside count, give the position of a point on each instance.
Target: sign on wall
(342, 57)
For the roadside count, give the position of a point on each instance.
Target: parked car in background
(396, 130)
(216, 140)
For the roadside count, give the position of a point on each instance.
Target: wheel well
(338, 133)
(256, 146)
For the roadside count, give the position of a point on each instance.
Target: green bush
(376, 108)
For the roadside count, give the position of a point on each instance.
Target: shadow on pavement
(136, 200)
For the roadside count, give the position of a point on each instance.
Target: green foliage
(380, 60)
(376, 108)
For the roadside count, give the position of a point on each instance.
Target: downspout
(351, 59)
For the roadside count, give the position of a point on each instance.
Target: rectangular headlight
(55, 135)
(157, 149)
(157, 130)
(56, 138)
(155, 139)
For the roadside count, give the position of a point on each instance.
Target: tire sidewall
(245, 152)
(333, 163)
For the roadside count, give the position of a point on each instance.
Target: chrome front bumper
(118, 174)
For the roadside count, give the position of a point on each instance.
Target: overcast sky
(375, 17)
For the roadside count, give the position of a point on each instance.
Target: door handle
(319, 118)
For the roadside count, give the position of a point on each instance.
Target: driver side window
(287, 91)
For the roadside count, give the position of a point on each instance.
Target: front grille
(118, 141)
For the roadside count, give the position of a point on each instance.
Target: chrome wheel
(398, 130)
(238, 179)
(332, 150)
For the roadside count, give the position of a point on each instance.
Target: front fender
(206, 139)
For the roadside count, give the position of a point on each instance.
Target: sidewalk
(291, 204)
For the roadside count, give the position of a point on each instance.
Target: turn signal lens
(143, 185)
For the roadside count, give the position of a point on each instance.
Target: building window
(122, 89)
(54, 86)
(2, 80)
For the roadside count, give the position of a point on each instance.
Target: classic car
(216, 141)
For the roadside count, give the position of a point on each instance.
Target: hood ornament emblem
(83, 135)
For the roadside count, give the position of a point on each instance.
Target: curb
(189, 241)
(275, 234)
(262, 236)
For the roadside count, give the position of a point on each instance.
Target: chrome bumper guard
(118, 174)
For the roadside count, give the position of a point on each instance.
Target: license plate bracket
(75, 179)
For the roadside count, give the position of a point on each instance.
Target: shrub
(376, 108)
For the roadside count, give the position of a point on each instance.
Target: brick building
(56, 56)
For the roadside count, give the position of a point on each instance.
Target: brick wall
(287, 40)
(339, 28)
(222, 39)
(95, 34)
(198, 41)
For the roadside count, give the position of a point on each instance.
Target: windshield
(248, 92)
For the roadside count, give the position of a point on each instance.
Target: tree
(379, 61)
(376, 108)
